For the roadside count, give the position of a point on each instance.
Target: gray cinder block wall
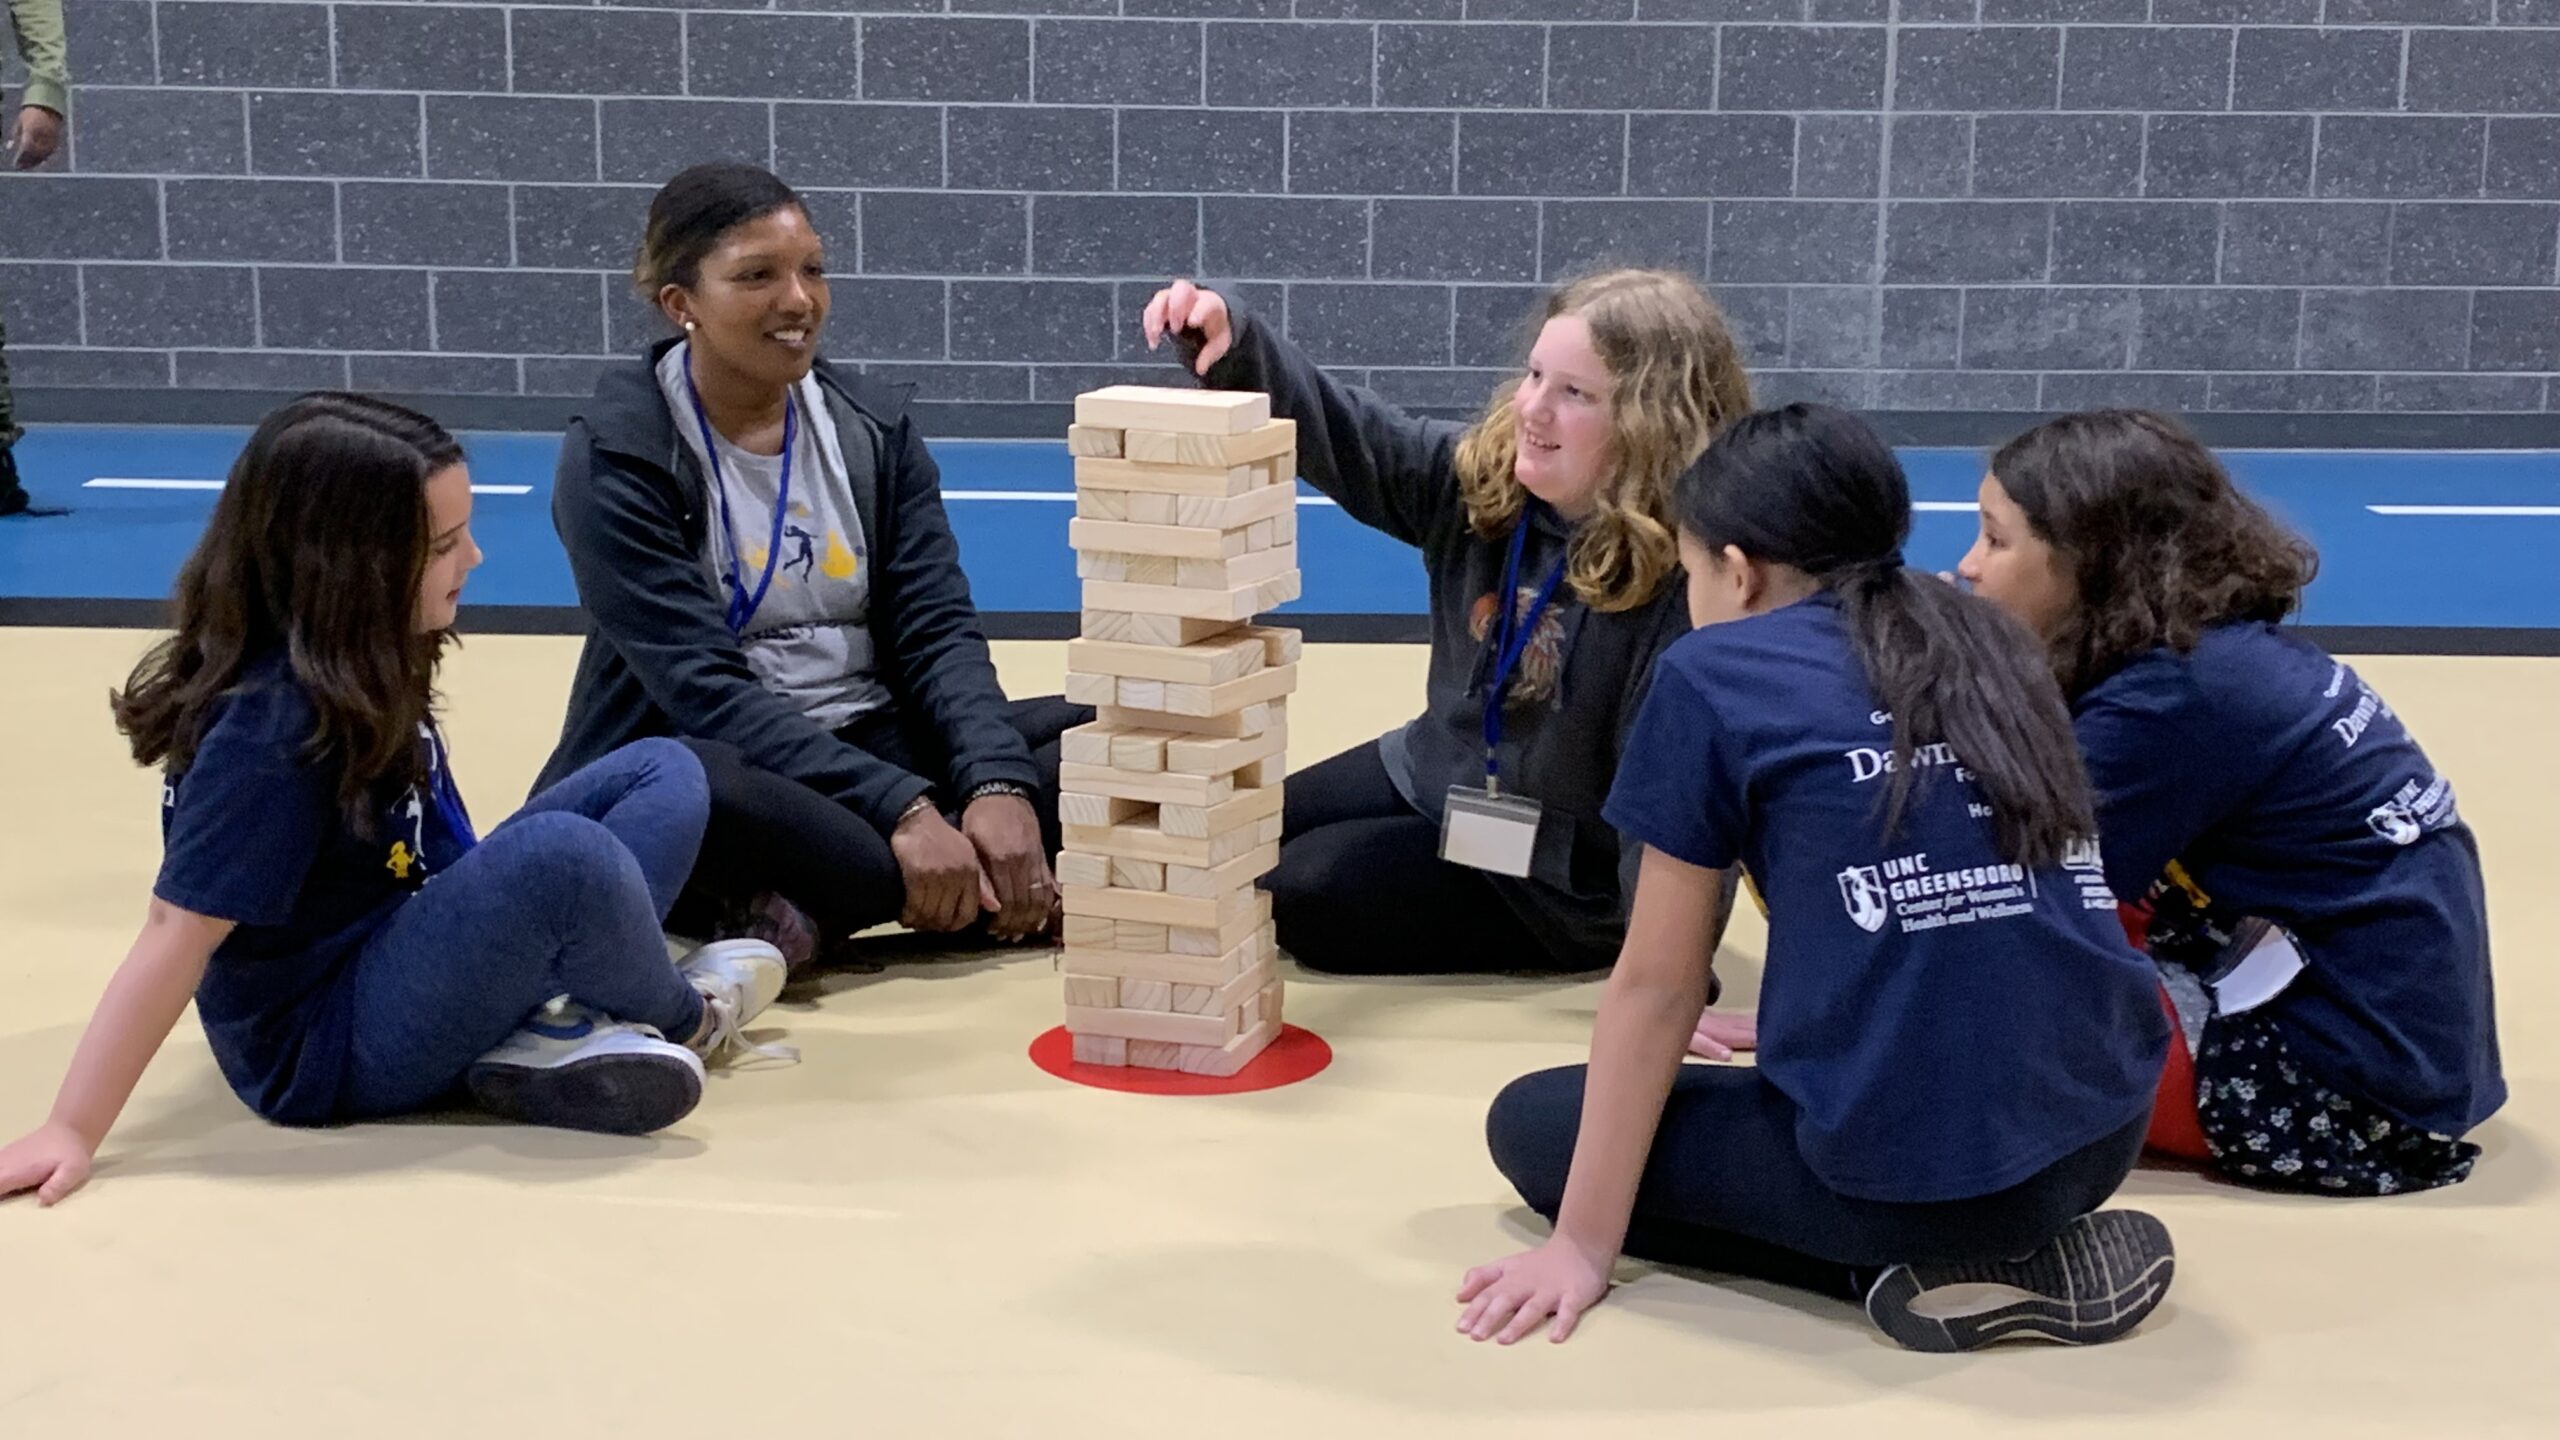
(2252, 205)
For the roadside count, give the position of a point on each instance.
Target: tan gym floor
(915, 1232)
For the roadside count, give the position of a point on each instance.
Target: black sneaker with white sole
(572, 1068)
(2094, 1282)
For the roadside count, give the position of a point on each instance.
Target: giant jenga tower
(1186, 527)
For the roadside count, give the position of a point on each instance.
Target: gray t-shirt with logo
(810, 640)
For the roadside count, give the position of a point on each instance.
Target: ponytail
(1812, 487)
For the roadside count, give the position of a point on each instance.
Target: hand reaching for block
(1185, 306)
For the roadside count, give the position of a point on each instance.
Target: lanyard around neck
(1511, 641)
(742, 606)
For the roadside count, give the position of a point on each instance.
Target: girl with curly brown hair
(1546, 533)
(2296, 864)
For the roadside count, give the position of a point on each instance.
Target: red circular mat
(1294, 1056)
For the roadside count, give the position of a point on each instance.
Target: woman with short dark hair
(759, 541)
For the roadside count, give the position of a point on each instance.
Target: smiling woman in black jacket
(760, 545)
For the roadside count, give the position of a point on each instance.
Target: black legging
(1726, 1189)
(1361, 888)
(768, 832)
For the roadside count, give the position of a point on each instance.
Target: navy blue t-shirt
(2286, 789)
(252, 833)
(1947, 1022)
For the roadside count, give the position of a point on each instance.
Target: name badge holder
(1487, 829)
(743, 607)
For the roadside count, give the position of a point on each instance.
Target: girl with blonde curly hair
(1470, 838)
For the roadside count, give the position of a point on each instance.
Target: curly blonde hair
(1676, 379)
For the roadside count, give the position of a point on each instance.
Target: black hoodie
(631, 507)
(1398, 474)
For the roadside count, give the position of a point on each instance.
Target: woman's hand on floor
(1508, 1299)
(52, 1160)
(1722, 1032)
(945, 886)
(1006, 831)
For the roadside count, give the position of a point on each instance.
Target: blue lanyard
(742, 607)
(1511, 641)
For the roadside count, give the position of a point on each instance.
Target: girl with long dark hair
(2297, 865)
(353, 949)
(1956, 1045)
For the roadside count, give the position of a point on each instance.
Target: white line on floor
(121, 482)
(2464, 509)
(1966, 507)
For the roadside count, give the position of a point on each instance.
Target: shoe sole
(615, 1093)
(2095, 1282)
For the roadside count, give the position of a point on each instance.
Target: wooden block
(1111, 505)
(1143, 840)
(1213, 480)
(1140, 751)
(1101, 1050)
(1271, 1001)
(1219, 879)
(1277, 591)
(1100, 991)
(1280, 646)
(1198, 790)
(1093, 440)
(1251, 720)
(1145, 994)
(1091, 689)
(1130, 628)
(1138, 694)
(1183, 541)
(1152, 1025)
(1241, 603)
(1150, 446)
(1088, 744)
(1114, 566)
(1076, 809)
(1222, 999)
(1258, 948)
(1204, 700)
(1166, 407)
(1127, 874)
(1227, 574)
(1280, 467)
(1139, 937)
(1265, 773)
(1284, 527)
(1200, 755)
(1079, 869)
(1154, 907)
(1257, 536)
(1202, 940)
(1201, 822)
(1227, 1059)
(1082, 930)
(1202, 512)
(1266, 831)
(1156, 1054)
(1211, 662)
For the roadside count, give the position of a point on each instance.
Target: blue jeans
(564, 898)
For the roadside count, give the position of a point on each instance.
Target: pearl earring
(688, 325)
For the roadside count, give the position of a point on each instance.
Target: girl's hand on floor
(1722, 1032)
(1508, 1299)
(1006, 831)
(1185, 306)
(52, 1160)
(940, 866)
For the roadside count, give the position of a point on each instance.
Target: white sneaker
(573, 1068)
(737, 979)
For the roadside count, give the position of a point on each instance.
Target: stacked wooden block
(1186, 527)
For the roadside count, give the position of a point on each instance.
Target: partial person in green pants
(32, 137)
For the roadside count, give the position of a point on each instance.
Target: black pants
(1726, 1189)
(768, 832)
(1361, 888)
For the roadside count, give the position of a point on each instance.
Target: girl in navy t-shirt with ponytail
(1957, 1046)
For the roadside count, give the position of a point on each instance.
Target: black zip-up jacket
(633, 510)
(1398, 474)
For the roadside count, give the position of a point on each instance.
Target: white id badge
(2259, 975)
(1489, 832)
